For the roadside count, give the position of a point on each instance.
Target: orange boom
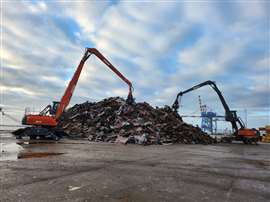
(44, 123)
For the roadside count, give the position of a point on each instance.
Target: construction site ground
(77, 170)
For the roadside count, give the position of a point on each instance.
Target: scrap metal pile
(112, 120)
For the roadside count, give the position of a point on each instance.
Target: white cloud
(20, 90)
(55, 80)
(37, 8)
(87, 15)
(255, 9)
(200, 12)
(263, 64)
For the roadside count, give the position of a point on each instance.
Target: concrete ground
(110, 172)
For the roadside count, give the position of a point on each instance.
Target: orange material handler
(44, 124)
(242, 133)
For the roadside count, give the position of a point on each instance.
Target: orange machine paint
(247, 132)
(41, 120)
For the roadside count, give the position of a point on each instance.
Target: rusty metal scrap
(112, 120)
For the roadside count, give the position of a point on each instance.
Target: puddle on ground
(37, 155)
(9, 151)
(12, 152)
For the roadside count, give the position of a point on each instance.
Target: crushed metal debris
(112, 120)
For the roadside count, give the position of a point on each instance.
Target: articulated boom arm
(72, 84)
(94, 51)
(230, 116)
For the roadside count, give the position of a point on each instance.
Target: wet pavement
(83, 171)
(9, 149)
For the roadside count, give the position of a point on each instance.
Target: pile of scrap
(112, 120)
(265, 131)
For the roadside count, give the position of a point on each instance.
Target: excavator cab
(50, 109)
(231, 116)
(54, 107)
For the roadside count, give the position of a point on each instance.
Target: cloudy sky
(162, 47)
